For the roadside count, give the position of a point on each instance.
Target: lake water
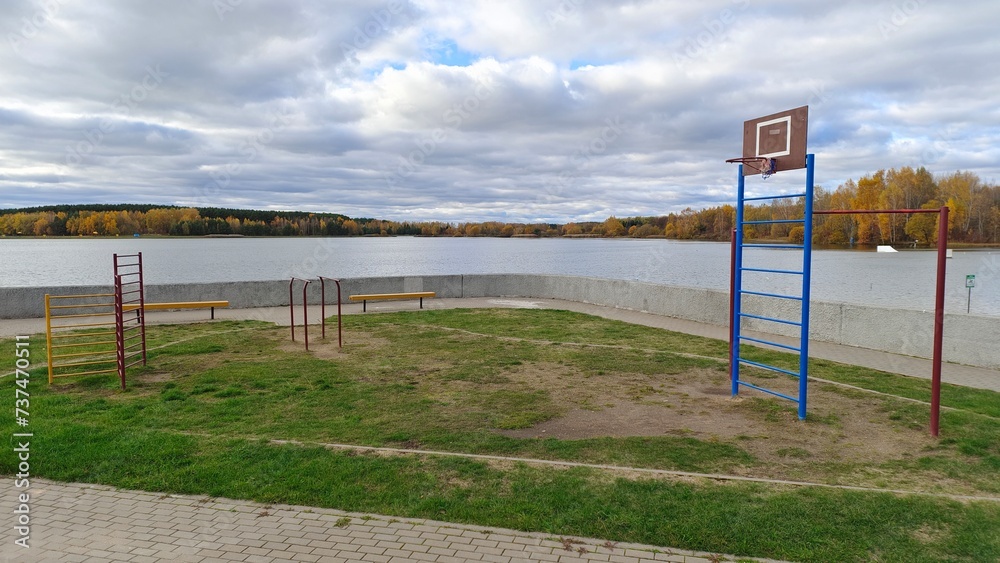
(904, 279)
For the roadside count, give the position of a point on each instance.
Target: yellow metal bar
(82, 334)
(88, 372)
(75, 364)
(84, 324)
(82, 315)
(83, 295)
(48, 335)
(80, 354)
(101, 343)
(82, 305)
(179, 305)
(374, 296)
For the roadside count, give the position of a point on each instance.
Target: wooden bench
(181, 305)
(364, 299)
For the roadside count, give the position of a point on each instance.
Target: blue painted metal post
(806, 279)
(734, 367)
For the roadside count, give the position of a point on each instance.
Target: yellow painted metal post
(48, 335)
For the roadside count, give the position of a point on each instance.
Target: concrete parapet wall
(968, 339)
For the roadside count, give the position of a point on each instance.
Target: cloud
(551, 110)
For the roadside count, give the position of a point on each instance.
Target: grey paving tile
(85, 523)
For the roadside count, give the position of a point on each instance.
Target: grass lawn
(203, 417)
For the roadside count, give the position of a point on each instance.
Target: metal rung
(782, 321)
(777, 295)
(769, 343)
(74, 364)
(80, 354)
(114, 370)
(81, 315)
(82, 335)
(759, 198)
(792, 272)
(768, 367)
(81, 305)
(797, 246)
(83, 344)
(773, 221)
(768, 391)
(85, 324)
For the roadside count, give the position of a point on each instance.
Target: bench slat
(365, 298)
(373, 296)
(179, 305)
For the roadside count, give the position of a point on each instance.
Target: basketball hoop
(761, 164)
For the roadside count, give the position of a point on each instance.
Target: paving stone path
(92, 523)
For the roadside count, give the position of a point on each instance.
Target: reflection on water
(904, 279)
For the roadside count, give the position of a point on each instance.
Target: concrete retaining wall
(968, 339)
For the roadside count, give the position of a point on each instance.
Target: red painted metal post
(322, 307)
(142, 309)
(939, 321)
(119, 327)
(305, 312)
(291, 308)
(938, 297)
(340, 320)
(732, 299)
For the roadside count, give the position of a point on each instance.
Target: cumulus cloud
(546, 110)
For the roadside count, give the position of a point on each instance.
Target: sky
(514, 111)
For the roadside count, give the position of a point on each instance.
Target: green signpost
(970, 282)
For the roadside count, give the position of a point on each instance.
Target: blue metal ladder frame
(803, 322)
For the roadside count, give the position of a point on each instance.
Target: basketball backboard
(780, 136)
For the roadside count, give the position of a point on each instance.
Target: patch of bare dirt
(698, 404)
(328, 348)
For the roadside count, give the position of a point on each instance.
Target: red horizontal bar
(872, 211)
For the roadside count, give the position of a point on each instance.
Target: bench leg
(213, 313)
(421, 302)
(364, 305)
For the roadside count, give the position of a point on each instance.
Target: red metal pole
(322, 306)
(119, 327)
(732, 298)
(871, 211)
(142, 309)
(939, 320)
(291, 307)
(305, 313)
(340, 322)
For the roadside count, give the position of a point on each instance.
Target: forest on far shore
(974, 217)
